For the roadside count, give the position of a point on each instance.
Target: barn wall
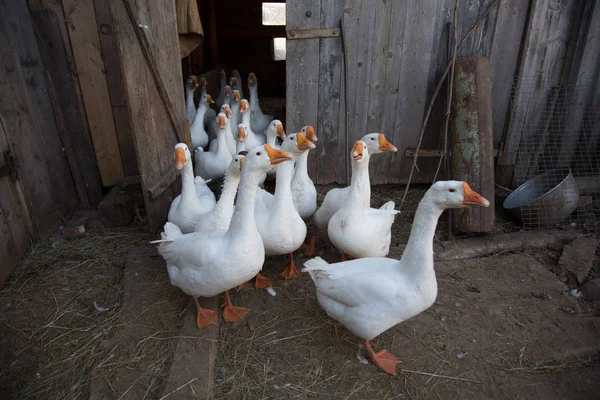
(396, 53)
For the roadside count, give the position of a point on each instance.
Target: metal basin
(545, 200)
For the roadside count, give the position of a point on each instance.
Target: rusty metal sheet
(312, 33)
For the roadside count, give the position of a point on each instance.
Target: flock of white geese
(213, 246)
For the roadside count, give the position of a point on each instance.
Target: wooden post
(472, 140)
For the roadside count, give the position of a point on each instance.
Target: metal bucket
(545, 200)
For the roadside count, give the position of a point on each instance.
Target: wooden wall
(396, 53)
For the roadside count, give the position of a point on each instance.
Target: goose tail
(313, 266)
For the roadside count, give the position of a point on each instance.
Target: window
(279, 49)
(273, 13)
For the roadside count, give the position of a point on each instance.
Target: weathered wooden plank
(479, 43)
(582, 73)
(48, 20)
(331, 148)
(83, 31)
(541, 65)
(302, 70)
(152, 132)
(510, 25)
(15, 223)
(116, 88)
(359, 24)
(419, 42)
(28, 122)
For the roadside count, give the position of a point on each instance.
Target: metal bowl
(545, 200)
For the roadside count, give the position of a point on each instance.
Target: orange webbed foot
(309, 248)
(232, 313)
(204, 316)
(291, 272)
(383, 359)
(243, 286)
(262, 282)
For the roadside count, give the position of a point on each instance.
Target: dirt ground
(502, 327)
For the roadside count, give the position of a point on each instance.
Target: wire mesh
(557, 170)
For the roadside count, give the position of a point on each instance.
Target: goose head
(235, 167)
(192, 82)
(222, 74)
(207, 99)
(252, 81)
(227, 91)
(456, 194)
(261, 158)
(233, 82)
(378, 143)
(182, 155)
(226, 109)
(236, 95)
(296, 143)
(222, 120)
(360, 152)
(202, 83)
(241, 133)
(309, 132)
(244, 106)
(276, 128)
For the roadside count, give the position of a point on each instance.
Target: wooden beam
(83, 31)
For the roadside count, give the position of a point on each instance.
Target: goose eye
(452, 190)
(372, 138)
(258, 153)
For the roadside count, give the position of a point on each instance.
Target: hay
(59, 306)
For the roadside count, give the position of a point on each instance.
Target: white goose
(236, 79)
(222, 83)
(210, 114)
(240, 147)
(252, 138)
(197, 131)
(358, 231)
(303, 188)
(212, 165)
(280, 225)
(217, 220)
(376, 143)
(235, 111)
(190, 86)
(258, 120)
(195, 199)
(205, 267)
(371, 295)
(231, 142)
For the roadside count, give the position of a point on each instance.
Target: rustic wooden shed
(92, 91)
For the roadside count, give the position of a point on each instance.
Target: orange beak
(310, 133)
(202, 83)
(228, 91)
(385, 145)
(228, 111)
(472, 198)
(280, 131)
(241, 162)
(303, 143)
(251, 78)
(243, 104)
(277, 156)
(179, 158)
(194, 80)
(241, 134)
(209, 99)
(222, 122)
(357, 151)
(233, 83)
(236, 95)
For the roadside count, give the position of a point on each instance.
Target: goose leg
(204, 316)
(291, 272)
(262, 282)
(346, 257)
(232, 313)
(309, 248)
(243, 286)
(383, 359)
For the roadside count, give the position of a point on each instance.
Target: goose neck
(243, 220)
(360, 177)
(418, 254)
(283, 177)
(188, 190)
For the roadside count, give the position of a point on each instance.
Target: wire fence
(557, 169)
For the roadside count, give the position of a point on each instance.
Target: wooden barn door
(148, 46)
